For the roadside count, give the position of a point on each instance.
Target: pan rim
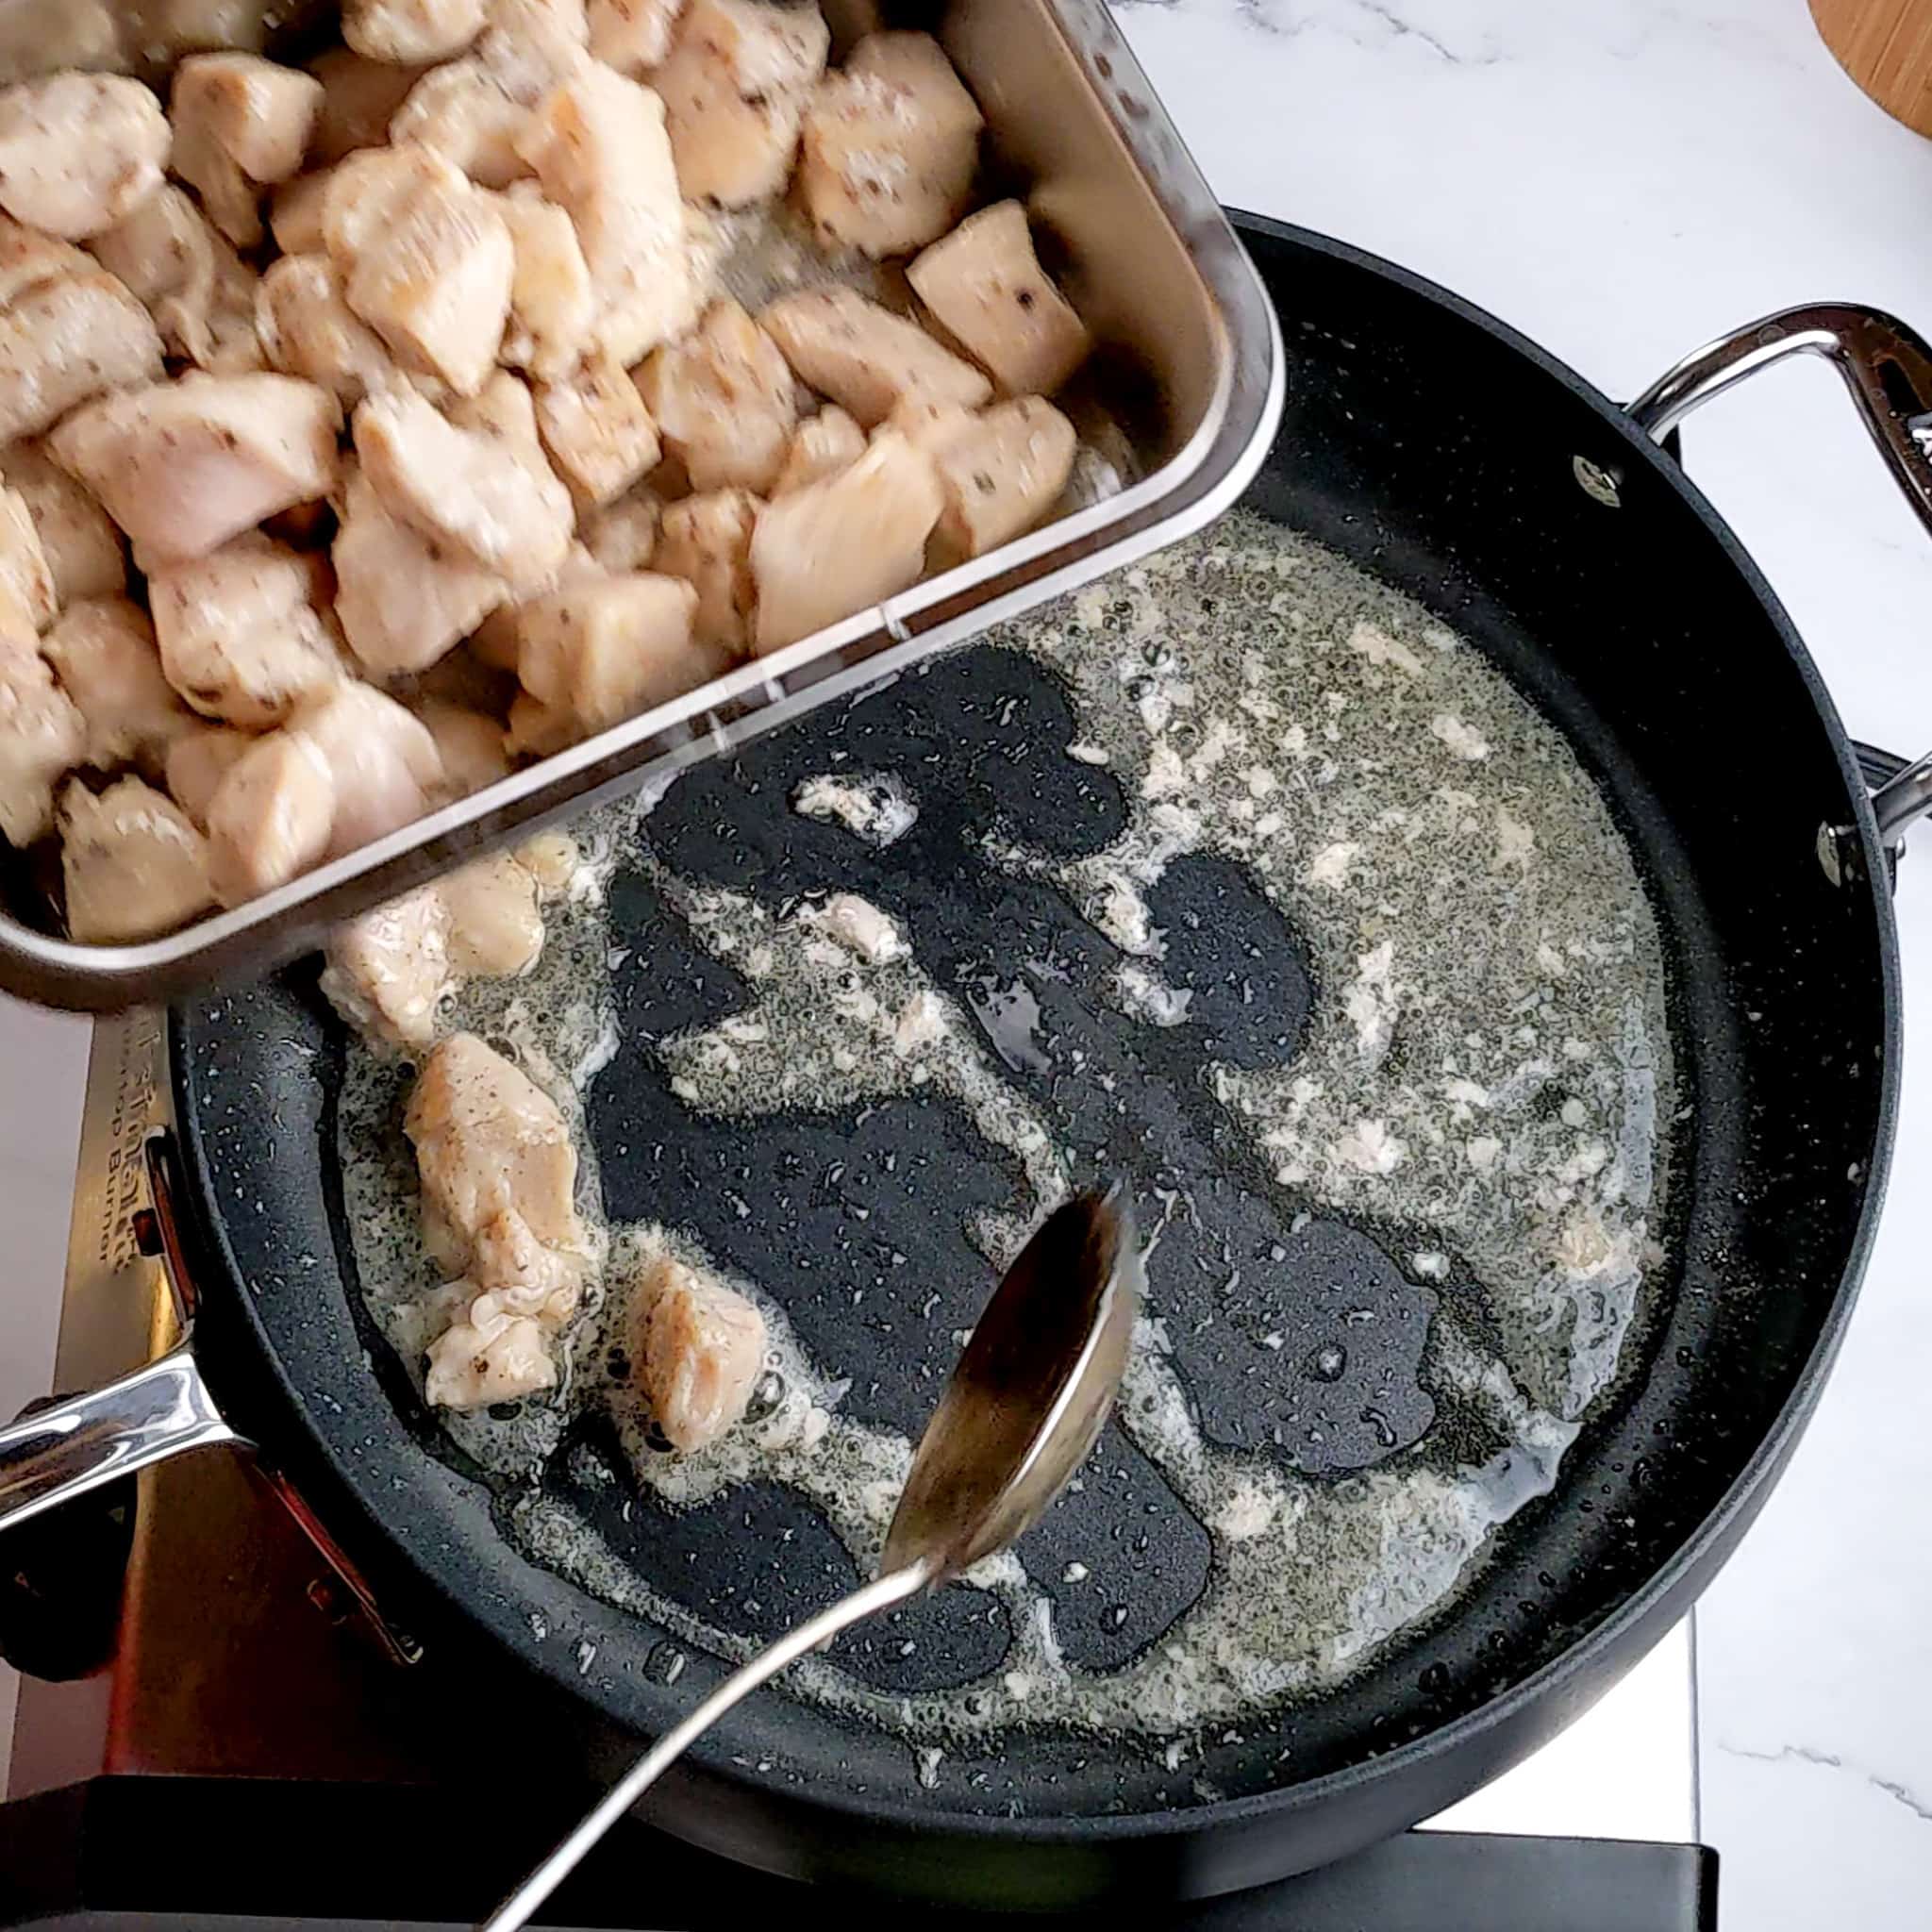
(1530, 1711)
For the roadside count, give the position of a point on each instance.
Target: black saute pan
(1452, 458)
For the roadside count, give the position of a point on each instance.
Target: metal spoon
(1022, 1410)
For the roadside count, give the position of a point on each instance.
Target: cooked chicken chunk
(735, 89)
(402, 600)
(78, 152)
(418, 30)
(159, 248)
(707, 540)
(533, 45)
(986, 286)
(42, 736)
(597, 430)
(133, 864)
(476, 111)
(1001, 470)
(697, 1350)
(724, 399)
(77, 537)
(622, 536)
(504, 409)
(294, 213)
(499, 638)
(260, 114)
(469, 742)
(607, 650)
(103, 652)
(359, 97)
(489, 1356)
(464, 113)
(845, 543)
(241, 633)
(633, 36)
(598, 145)
(388, 975)
(88, 35)
(490, 495)
(222, 340)
(859, 926)
(165, 29)
(68, 331)
(29, 259)
(821, 446)
(18, 646)
(425, 260)
(554, 861)
(521, 1275)
(183, 466)
(712, 239)
(866, 358)
(388, 972)
(27, 600)
(385, 764)
(890, 145)
(230, 197)
(241, 124)
(553, 308)
(495, 927)
(488, 1140)
(270, 817)
(197, 762)
(307, 329)
(198, 290)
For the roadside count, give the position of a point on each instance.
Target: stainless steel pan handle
(63, 1451)
(68, 1448)
(160, 1410)
(1887, 367)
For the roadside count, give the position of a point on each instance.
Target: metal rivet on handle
(1828, 859)
(1841, 859)
(1605, 485)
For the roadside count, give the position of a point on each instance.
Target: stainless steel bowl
(1183, 328)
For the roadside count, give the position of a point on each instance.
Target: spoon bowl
(1029, 1395)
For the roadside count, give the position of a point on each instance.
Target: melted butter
(1486, 1064)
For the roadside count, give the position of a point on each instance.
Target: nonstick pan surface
(1434, 448)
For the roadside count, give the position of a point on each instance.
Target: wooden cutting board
(1886, 46)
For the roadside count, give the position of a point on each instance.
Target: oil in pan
(1241, 875)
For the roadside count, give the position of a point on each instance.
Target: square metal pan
(1157, 273)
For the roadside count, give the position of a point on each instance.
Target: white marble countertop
(1622, 180)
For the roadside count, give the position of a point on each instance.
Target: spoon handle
(883, 1593)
